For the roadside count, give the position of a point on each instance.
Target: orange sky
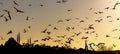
(51, 12)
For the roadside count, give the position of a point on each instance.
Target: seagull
(55, 28)
(98, 20)
(60, 21)
(90, 27)
(84, 37)
(118, 19)
(5, 19)
(27, 18)
(44, 31)
(107, 36)
(9, 32)
(90, 9)
(58, 2)
(108, 16)
(77, 34)
(107, 7)
(69, 10)
(64, 1)
(29, 27)
(15, 3)
(48, 33)
(115, 6)
(30, 5)
(41, 5)
(2, 15)
(81, 21)
(8, 12)
(18, 10)
(67, 19)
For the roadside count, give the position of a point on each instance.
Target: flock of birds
(88, 30)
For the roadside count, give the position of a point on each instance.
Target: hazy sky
(51, 12)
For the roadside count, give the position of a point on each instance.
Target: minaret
(86, 46)
(29, 40)
(18, 38)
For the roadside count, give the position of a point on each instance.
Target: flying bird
(90, 8)
(98, 20)
(82, 21)
(64, 1)
(107, 7)
(17, 10)
(108, 16)
(5, 19)
(58, 2)
(84, 37)
(41, 5)
(115, 6)
(27, 18)
(90, 26)
(48, 33)
(55, 28)
(44, 31)
(29, 27)
(8, 12)
(15, 3)
(77, 34)
(29, 5)
(107, 36)
(69, 10)
(67, 19)
(2, 15)
(118, 19)
(60, 21)
(9, 32)
(25, 31)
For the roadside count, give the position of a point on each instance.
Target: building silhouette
(86, 46)
(18, 38)
(29, 40)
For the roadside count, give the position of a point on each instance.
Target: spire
(18, 38)
(86, 46)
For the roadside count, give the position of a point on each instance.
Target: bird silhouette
(55, 28)
(64, 1)
(98, 20)
(27, 18)
(44, 31)
(90, 8)
(107, 7)
(17, 10)
(58, 2)
(67, 19)
(107, 36)
(81, 21)
(84, 37)
(15, 3)
(8, 12)
(118, 19)
(48, 32)
(49, 25)
(41, 5)
(35, 41)
(115, 5)
(29, 5)
(77, 34)
(2, 15)
(5, 19)
(68, 28)
(90, 26)
(25, 31)
(29, 27)
(69, 10)
(9, 32)
(60, 21)
(108, 16)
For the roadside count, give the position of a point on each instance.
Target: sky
(79, 13)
